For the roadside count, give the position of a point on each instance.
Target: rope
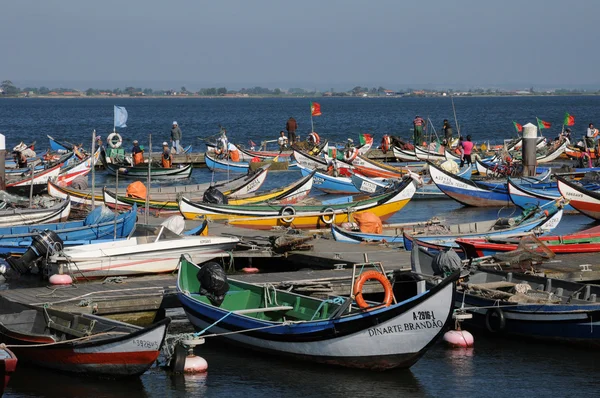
(197, 334)
(63, 341)
(286, 323)
(337, 300)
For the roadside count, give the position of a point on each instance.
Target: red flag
(518, 127)
(569, 120)
(315, 109)
(543, 124)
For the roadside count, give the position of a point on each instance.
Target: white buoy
(459, 338)
(61, 279)
(195, 364)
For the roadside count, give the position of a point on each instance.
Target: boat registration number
(151, 345)
(367, 186)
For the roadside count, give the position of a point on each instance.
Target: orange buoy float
(250, 270)
(61, 279)
(372, 275)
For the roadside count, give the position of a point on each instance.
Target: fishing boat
(467, 192)
(268, 216)
(22, 184)
(331, 332)
(309, 161)
(8, 364)
(215, 164)
(247, 155)
(523, 195)
(79, 343)
(56, 213)
(427, 155)
(576, 153)
(141, 171)
(374, 169)
(60, 146)
(524, 306)
(516, 143)
(583, 200)
(534, 220)
(149, 250)
(77, 169)
(492, 170)
(329, 184)
(580, 242)
(404, 155)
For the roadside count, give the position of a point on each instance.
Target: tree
(183, 90)
(277, 91)
(148, 91)
(44, 90)
(91, 91)
(221, 91)
(9, 88)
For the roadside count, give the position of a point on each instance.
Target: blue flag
(120, 116)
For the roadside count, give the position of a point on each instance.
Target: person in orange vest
(166, 158)
(137, 153)
(314, 139)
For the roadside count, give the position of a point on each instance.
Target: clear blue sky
(306, 43)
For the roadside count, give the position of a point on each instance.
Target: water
(494, 368)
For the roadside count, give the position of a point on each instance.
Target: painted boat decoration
(535, 220)
(372, 168)
(551, 310)
(319, 330)
(22, 184)
(141, 172)
(8, 364)
(467, 192)
(150, 250)
(583, 200)
(79, 343)
(404, 155)
(57, 213)
(268, 216)
(525, 196)
(310, 161)
(79, 169)
(330, 184)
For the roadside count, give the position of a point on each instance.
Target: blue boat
(330, 184)
(58, 146)
(215, 164)
(551, 310)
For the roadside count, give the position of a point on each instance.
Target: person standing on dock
(137, 153)
(291, 126)
(166, 159)
(447, 131)
(467, 147)
(176, 138)
(418, 124)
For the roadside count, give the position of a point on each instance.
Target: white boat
(403, 155)
(426, 154)
(57, 213)
(151, 250)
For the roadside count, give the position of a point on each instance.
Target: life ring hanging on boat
(287, 210)
(372, 275)
(328, 212)
(350, 155)
(386, 143)
(111, 140)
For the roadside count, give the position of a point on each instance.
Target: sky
(307, 43)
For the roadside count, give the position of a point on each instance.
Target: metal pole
(116, 201)
(93, 170)
(455, 120)
(2, 164)
(147, 209)
(31, 185)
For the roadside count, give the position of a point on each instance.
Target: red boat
(373, 169)
(581, 199)
(8, 364)
(576, 153)
(79, 343)
(565, 244)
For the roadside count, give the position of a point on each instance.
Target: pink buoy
(195, 364)
(250, 270)
(459, 338)
(61, 279)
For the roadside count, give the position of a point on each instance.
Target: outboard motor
(214, 196)
(43, 244)
(213, 283)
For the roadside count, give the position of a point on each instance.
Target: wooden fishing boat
(492, 170)
(516, 143)
(309, 161)
(59, 146)
(289, 194)
(527, 195)
(330, 184)
(427, 155)
(79, 343)
(524, 306)
(268, 216)
(8, 364)
(576, 153)
(149, 250)
(22, 184)
(247, 155)
(57, 213)
(534, 220)
(215, 164)
(583, 200)
(77, 169)
(374, 169)
(324, 331)
(403, 155)
(141, 171)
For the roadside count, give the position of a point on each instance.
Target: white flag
(120, 116)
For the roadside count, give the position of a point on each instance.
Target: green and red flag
(315, 109)
(518, 127)
(366, 139)
(542, 124)
(569, 119)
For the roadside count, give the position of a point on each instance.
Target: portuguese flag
(543, 125)
(315, 109)
(569, 120)
(518, 127)
(366, 138)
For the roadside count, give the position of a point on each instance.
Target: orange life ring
(378, 276)
(385, 143)
(353, 154)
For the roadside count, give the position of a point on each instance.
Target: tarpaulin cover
(369, 223)
(137, 190)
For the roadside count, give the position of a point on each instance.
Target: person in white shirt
(590, 136)
(282, 140)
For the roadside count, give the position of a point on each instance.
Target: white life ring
(328, 212)
(287, 210)
(111, 142)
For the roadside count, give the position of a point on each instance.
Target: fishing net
(529, 250)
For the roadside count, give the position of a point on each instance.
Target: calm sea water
(494, 368)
